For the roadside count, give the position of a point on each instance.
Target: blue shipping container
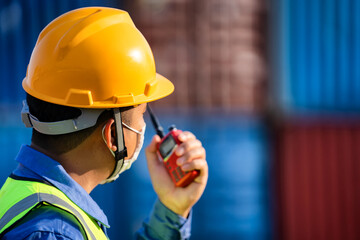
(317, 54)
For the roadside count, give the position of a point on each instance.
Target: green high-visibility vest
(18, 197)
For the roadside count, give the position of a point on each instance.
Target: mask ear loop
(132, 129)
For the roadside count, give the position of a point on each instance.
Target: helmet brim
(164, 87)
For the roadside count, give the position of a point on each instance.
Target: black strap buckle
(121, 154)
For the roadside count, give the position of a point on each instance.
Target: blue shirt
(47, 223)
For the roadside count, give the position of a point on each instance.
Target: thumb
(151, 149)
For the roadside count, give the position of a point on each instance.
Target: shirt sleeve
(165, 224)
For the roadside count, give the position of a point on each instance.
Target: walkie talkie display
(166, 150)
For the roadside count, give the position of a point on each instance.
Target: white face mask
(127, 162)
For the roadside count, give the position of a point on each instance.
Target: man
(88, 82)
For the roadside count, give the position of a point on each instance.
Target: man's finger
(187, 146)
(186, 136)
(194, 153)
(196, 164)
(200, 165)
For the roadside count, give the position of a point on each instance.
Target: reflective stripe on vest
(18, 197)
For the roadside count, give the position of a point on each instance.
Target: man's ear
(110, 140)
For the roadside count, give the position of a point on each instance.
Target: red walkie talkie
(166, 151)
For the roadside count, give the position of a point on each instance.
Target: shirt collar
(36, 164)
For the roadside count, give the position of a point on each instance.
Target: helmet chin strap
(121, 151)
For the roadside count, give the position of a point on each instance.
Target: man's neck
(82, 164)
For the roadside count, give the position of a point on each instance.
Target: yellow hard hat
(94, 57)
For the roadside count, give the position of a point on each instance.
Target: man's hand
(192, 156)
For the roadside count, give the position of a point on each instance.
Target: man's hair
(50, 112)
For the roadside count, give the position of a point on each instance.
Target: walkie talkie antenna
(158, 128)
